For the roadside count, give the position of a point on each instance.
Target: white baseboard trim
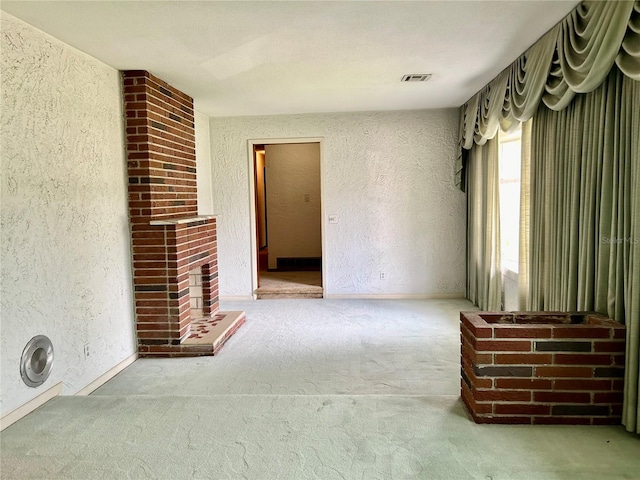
(237, 298)
(24, 410)
(383, 296)
(105, 377)
(372, 296)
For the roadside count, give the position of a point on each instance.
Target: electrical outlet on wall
(381, 275)
(86, 350)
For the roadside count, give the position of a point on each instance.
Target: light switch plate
(333, 218)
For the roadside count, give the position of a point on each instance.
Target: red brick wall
(162, 189)
(542, 373)
(161, 153)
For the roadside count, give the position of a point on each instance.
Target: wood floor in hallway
(305, 284)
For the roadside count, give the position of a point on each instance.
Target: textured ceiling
(254, 58)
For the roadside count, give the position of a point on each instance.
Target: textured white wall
(389, 177)
(203, 164)
(293, 171)
(65, 256)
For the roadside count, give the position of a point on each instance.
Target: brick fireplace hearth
(169, 238)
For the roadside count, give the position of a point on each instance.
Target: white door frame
(252, 203)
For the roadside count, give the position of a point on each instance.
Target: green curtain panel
(525, 216)
(484, 278)
(585, 213)
(630, 116)
(631, 408)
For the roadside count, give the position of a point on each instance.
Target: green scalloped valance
(573, 57)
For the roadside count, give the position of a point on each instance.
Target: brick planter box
(542, 367)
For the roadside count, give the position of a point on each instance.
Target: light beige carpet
(307, 389)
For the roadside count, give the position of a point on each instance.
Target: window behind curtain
(509, 171)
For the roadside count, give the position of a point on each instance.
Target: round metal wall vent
(36, 361)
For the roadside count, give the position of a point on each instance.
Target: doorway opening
(288, 219)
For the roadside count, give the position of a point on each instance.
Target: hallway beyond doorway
(286, 206)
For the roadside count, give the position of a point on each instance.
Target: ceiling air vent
(416, 77)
